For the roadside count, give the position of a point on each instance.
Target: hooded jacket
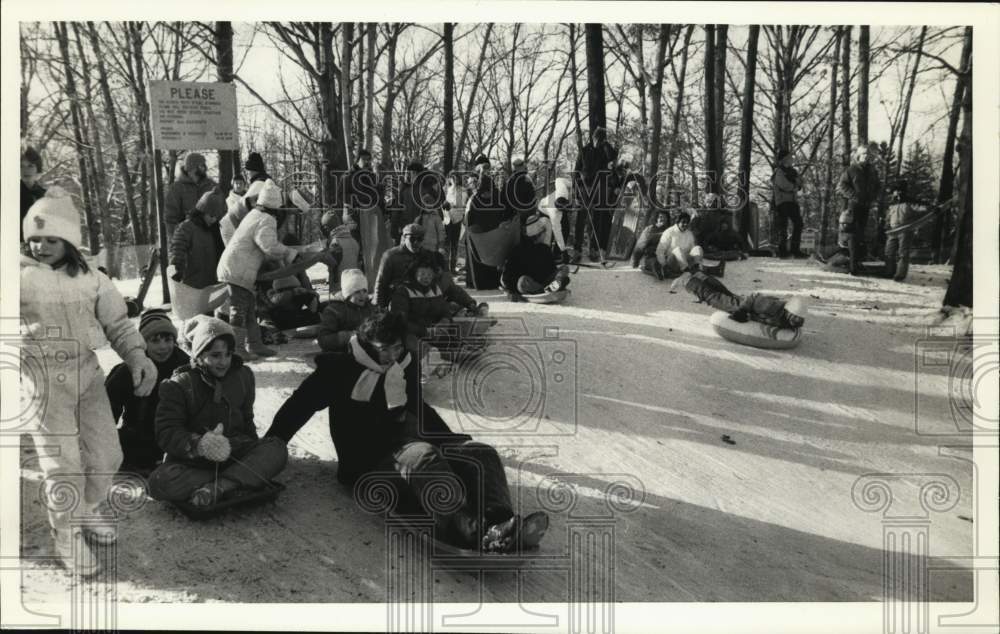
(192, 402)
(195, 250)
(183, 195)
(338, 322)
(255, 240)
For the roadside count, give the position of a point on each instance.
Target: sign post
(187, 115)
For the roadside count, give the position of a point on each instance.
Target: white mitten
(143, 373)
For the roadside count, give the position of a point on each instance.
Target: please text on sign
(193, 115)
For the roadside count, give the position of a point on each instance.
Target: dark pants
(139, 449)
(788, 211)
(897, 256)
(452, 232)
(860, 250)
(251, 466)
(601, 230)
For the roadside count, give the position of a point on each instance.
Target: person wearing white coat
(677, 250)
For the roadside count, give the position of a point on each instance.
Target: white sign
(188, 115)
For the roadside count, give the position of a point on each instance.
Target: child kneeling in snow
(204, 422)
(67, 310)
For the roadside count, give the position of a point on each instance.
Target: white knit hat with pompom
(55, 216)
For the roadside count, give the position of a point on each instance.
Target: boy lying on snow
(204, 422)
(382, 429)
(766, 309)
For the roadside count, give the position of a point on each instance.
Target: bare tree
(448, 36)
(746, 131)
(832, 114)
(845, 102)
(594, 45)
(960, 287)
(947, 183)
(711, 125)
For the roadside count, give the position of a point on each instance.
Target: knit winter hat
(53, 215)
(212, 204)
(154, 321)
(413, 229)
(255, 163)
(201, 330)
(352, 281)
(192, 161)
(269, 196)
(797, 306)
(284, 283)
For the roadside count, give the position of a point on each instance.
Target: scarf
(395, 382)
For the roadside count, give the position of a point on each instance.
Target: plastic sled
(754, 333)
(236, 499)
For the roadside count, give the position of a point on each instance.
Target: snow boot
(242, 347)
(73, 552)
(102, 530)
(255, 342)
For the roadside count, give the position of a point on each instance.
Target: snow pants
(73, 431)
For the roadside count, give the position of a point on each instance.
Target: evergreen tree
(918, 170)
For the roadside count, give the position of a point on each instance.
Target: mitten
(143, 372)
(214, 445)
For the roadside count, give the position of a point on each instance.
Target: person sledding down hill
(531, 268)
(766, 309)
(385, 433)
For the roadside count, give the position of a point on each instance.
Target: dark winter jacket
(28, 197)
(592, 162)
(182, 196)
(338, 322)
(195, 250)
(724, 240)
(393, 269)
(423, 307)
(192, 403)
(408, 207)
(859, 184)
(366, 433)
(486, 208)
(646, 244)
(138, 414)
(531, 259)
(519, 194)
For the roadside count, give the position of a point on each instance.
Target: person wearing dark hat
(595, 163)
(519, 191)
(386, 434)
(205, 424)
(396, 262)
(137, 433)
(197, 245)
(186, 190)
(31, 190)
(407, 206)
(255, 168)
(785, 184)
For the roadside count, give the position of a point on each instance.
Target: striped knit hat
(154, 321)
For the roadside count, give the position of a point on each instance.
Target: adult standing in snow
(183, 194)
(383, 431)
(859, 186)
(255, 240)
(594, 165)
(255, 168)
(31, 190)
(785, 184)
(406, 208)
(484, 213)
(519, 191)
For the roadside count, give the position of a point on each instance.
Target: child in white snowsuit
(68, 311)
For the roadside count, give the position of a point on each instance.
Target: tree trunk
(721, 33)
(112, 117)
(828, 185)
(333, 144)
(746, 132)
(845, 99)
(864, 59)
(576, 94)
(224, 59)
(459, 152)
(448, 160)
(909, 99)
(95, 158)
(947, 186)
(711, 146)
(960, 288)
(148, 214)
(656, 119)
(390, 100)
(372, 33)
(513, 99)
(678, 108)
(346, 52)
(93, 235)
(594, 44)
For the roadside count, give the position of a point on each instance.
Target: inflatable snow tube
(493, 246)
(552, 297)
(187, 301)
(754, 333)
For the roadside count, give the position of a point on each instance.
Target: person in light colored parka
(255, 240)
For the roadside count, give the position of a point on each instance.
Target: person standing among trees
(592, 174)
(785, 184)
(185, 192)
(31, 190)
(859, 186)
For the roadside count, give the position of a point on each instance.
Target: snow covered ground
(749, 470)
